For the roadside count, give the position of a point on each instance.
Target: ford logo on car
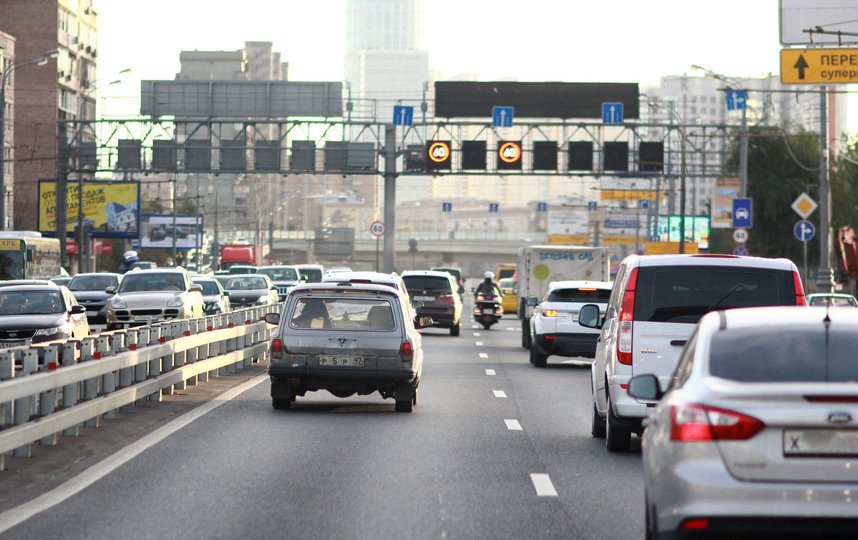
(839, 418)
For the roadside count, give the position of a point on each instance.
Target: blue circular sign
(804, 230)
(741, 251)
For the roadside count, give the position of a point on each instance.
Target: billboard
(696, 230)
(159, 231)
(110, 209)
(726, 189)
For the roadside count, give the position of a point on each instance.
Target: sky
(532, 40)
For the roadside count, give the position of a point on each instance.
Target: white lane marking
(513, 425)
(476, 334)
(479, 343)
(543, 485)
(14, 516)
(499, 393)
(490, 372)
(484, 355)
(511, 329)
(475, 327)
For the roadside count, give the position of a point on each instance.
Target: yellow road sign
(819, 66)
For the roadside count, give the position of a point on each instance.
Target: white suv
(655, 303)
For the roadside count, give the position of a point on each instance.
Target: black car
(251, 290)
(89, 290)
(39, 313)
(215, 298)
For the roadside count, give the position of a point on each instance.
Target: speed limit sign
(377, 228)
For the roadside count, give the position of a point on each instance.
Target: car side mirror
(110, 290)
(532, 301)
(417, 305)
(461, 290)
(425, 321)
(77, 309)
(272, 318)
(645, 387)
(196, 287)
(589, 317)
(226, 294)
(274, 287)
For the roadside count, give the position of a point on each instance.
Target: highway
(495, 449)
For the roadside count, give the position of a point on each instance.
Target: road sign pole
(743, 154)
(390, 198)
(376, 252)
(823, 278)
(805, 263)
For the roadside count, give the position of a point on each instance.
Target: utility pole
(389, 198)
(62, 190)
(823, 278)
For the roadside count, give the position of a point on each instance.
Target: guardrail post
(90, 386)
(237, 320)
(48, 400)
(108, 380)
(119, 344)
(7, 371)
(70, 391)
(166, 361)
(248, 337)
(223, 345)
(177, 330)
(154, 363)
(24, 406)
(192, 328)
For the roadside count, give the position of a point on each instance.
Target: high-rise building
(63, 89)
(7, 58)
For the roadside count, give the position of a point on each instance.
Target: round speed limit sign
(377, 228)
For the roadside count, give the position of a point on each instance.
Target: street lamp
(40, 60)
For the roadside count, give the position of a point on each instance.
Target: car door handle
(679, 342)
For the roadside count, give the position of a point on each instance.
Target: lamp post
(40, 60)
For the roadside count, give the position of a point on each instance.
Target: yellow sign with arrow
(819, 66)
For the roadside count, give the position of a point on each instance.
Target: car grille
(144, 312)
(16, 334)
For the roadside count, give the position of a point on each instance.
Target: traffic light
(474, 155)
(616, 156)
(412, 245)
(545, 156)
(438, 155)
(651, 156)
(509, 155)
(581, 156)
(415, 158)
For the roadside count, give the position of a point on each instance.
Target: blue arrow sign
(403, 115)
(502, 116)
(737, 100)
(743, 213)
(494, 207)
(447, 207)
(592, 206)
(643, 204)
(612, 113)
(804, 230)
(541, 207)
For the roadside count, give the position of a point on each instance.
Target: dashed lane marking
(479, 343)
(499, 393)
(512, 425)
(490, 372)
(476, 334)
(483, 355)
(543, 485)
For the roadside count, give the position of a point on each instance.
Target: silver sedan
(757, 432)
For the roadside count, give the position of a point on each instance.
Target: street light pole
(40, 60)
(743, 154)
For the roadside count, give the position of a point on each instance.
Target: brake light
(481, 298)
(695, 524)
(277, 347)
(800, 298)
(695, 422)
(406, 350)
(627, 315)
(449, 298)
(549, 312)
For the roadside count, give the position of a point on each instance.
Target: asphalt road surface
(495, 449)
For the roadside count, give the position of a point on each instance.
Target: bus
(28, 255)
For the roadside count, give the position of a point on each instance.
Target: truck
(233, 254)
(538, 266)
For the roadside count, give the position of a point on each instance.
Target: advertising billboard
(159, 231)
(696, 230)
(110, 209)
(726, 189)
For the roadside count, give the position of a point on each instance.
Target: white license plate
(821, 442)
(424, 298)
(347, 361)
(488, 311)
(10, 344)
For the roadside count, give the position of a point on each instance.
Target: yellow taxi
(509, 300)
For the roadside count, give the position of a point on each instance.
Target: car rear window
(210, 288)
(683, 294)
(343, 313)
(314, 275)
(831, 301)
(426, 283)
(576, 294)
(280, 274)
(796, 354)
(92, 283)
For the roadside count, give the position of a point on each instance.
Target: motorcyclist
(487, 286)
(128, 258)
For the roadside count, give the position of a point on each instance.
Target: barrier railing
(52, 389)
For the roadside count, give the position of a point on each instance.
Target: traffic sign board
(502, 116)
(447, 207)
(612, 113)
(542, 207)
(737, 100)
(804, 205)
(494, 207)
(377, 228)
(592, 206)
(403, 115)
(741, 251)
(643, 204)
(804, 230)
(740, 236)
(819, 66)
(743, 212)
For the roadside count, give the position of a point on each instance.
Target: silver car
(347, 339)
(756, 433)
(146, 296)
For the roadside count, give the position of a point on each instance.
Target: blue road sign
(743, 213)
(737, 100)
(502, 116)
(494, 207)
(541, 207)
(804, 230)
(403, 115)
(447, 207)
(643, 204)
(741, 251)
(612, 113)
(592, 206)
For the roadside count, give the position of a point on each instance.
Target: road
(334, 468)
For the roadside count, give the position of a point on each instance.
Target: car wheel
(525, 334)
(405, 405)
(454, 330)
(415, 399)
(281, 404)
(651, 532)
(617, 438)
(597, 426)
(537, 359)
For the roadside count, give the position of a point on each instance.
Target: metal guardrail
(52, 389)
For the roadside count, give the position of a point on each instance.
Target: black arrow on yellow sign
(801, 65)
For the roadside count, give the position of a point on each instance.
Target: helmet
(488, 275)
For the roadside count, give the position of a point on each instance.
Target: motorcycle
(487, 309)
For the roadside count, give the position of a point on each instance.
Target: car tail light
(549, 312)
(695, 524)
(800, 298)
(449, 298)
(481, 298)
(406, 350)
(627, 315)
(695, 422)
(277, 347)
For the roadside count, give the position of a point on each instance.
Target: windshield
(92, 283)
(247, 283)
(11, 265)
(30, 302)
(210, 287)
(283, 273)
(152, 282)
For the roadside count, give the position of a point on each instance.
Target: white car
(755, 436)
(655, 303)
(554, 328)
(147, 296)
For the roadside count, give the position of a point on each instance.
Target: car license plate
(820, 442)
(348, 361)
(488, 311)
(10, 344)
(424, 298)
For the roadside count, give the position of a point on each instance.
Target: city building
(7, 58)
(64, 89)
